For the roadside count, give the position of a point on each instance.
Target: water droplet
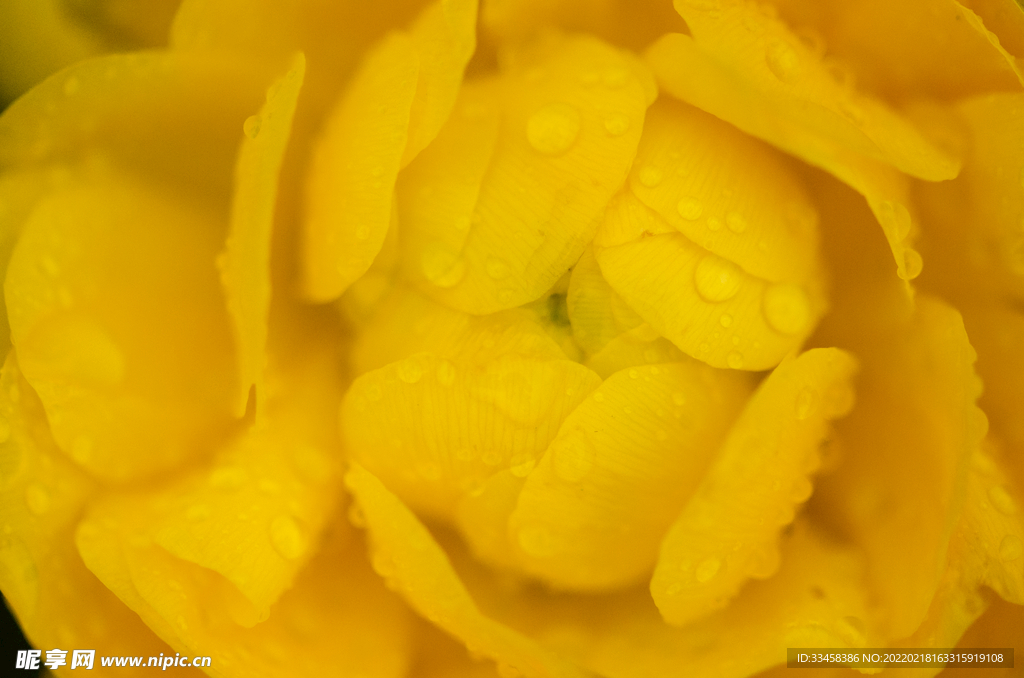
(362, 232)
(445, 373)
(802, 490)
(783, 61)
(716, 279)
(707, 569)
(1001, 499)
(853, 630)
(1010, 548)
(651, 176)
(912, 264)
(725, 320)
(286, 537)
(806, 401)
(735, 222)
(571, 458)
(615, 77)
(616, 124)
(896, 219)
(410, 371)
(633, 374)
(787, 308)
(536, 541)
(690, 208)
(442, 267)
(734, 360)
(491, 457)
(765, 562)
(71, 86)
(228, 478)
(714, 224)
(496, 268)
(553, 129)
(521, 467)
(373, 392)
(197, 512)
(38, 499)
(837, 401)
(674, 589)
(251, 126)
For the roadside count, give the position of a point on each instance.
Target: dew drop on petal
(734, 360)
(1010, 548)
(786, 308)
(252, 125)
(725, 320)
(707, 570)
(442, 267)
(714, 224)
(651, 176)
(410, 371)
(735, 222)
(521, 467)
(782, 60)
(286, 537)
(553, 128)
(616, 124)
(536, 541)
(912, 264)
(497, 269)
(690, 208)
(615, 77)
(716, 279)
(806, 401)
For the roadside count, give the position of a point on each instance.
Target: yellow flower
(552, 337)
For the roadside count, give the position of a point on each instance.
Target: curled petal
(624, 462)
(409, 558)
(489, 233)
(729, 530)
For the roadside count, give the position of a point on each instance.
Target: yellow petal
(39, 38)
(398, 100)
(406, 322)
(817, 599)
(434, 428)
(729, 531)
(405, 553)
(482, 516)
(572, 110)
(57, 601)
(598, 315)
(121, 330)
(623, 464)
(905, 448)
(706, 305)
(348, 190)
(440, 656)
(750, 70)
(735, 196)
(639, 346)
(242, 560)
(445, 38)
(337, 607)
(245, 263)
(975, 224)
(986, 549)
(906, 50)
(172, 115)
